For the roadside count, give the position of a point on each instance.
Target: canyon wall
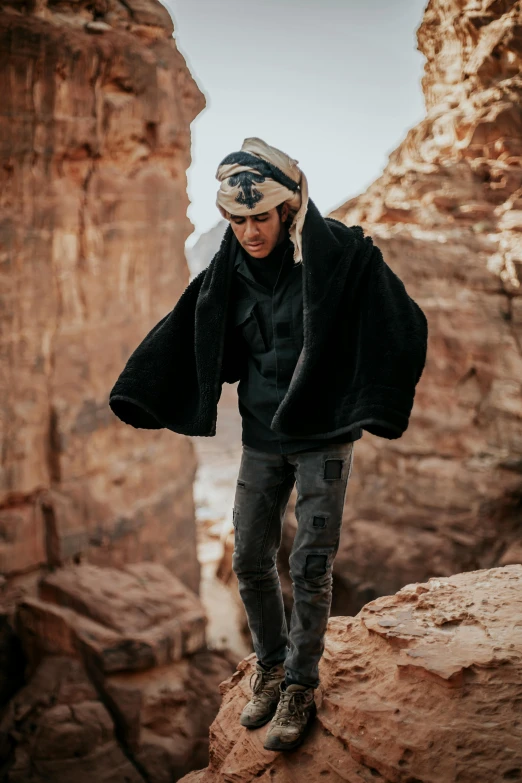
(447, 215)
(94, 147)
(105, 672)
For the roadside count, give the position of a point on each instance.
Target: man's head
(259, 234)
(254, 184)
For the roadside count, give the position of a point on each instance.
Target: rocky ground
(424, 686)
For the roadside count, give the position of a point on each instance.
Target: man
(325, 342)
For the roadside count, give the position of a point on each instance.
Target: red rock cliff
(447, 215)
(95, 144)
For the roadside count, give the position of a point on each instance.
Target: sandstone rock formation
(95, 142)
(422, 686)
(103, 651)
(446, 213)
(120, 685)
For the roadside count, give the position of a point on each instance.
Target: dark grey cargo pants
(263, 488)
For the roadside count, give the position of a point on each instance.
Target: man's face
(259, 234)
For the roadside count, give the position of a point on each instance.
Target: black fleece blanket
(365, 344)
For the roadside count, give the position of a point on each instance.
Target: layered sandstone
(424, 685)
(446, 213)
(95, 143)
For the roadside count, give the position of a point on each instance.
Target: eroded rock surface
(446, 496)
(424, 685)
(95, 143)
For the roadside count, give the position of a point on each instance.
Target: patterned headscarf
(260, 177)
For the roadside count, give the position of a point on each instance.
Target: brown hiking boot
(265, 695)
(294, 713)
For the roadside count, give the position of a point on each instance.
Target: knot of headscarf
(259, 177)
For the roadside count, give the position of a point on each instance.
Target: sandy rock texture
(94, 145)
(120, 683)
(447, 496)
(119, 620)
(423, 686)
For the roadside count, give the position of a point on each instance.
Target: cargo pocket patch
(315, 566)
(333, 469)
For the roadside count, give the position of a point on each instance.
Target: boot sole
(275, 744)
(261, 721)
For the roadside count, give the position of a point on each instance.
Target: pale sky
(333, 83)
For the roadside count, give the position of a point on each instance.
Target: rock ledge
(424, 686)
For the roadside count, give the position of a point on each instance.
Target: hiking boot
(294, 713)
(265, 695)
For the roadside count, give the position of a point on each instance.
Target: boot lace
(290, 704)
(260, 682)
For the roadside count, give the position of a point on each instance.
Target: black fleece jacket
(267, 297)
(364, 348)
